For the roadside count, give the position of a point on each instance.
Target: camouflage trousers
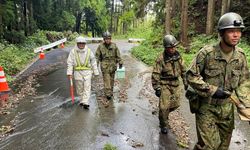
(108, 81)
(169, 101)
(214, 125)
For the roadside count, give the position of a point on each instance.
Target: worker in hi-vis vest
(82, 63)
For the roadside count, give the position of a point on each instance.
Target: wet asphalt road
(49, 121)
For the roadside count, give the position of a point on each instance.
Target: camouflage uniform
(165, 76)
(108, 56)
(215, 117)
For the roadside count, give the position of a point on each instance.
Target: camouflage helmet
(106, 35)
(230, 20)
(169, 41)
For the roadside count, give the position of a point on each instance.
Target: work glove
(120, 66)
(221, 94)
(158, 92)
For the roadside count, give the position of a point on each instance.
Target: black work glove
(221, 94)
(158, 92)
(120, 66)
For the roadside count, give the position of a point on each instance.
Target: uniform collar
(218, 54)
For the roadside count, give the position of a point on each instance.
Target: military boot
(164, 130)
(110, 97)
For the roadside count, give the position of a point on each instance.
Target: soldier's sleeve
(93, 64)
(242, 91)
(183, 72)
(70, 62)
(98, 55)
(155, 78)
(195, 79)
(118, 56)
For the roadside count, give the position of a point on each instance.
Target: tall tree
(184, 24)
(168, 12)
(225, 5)
(26, 17)
(210, 15)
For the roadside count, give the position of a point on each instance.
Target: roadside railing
(133, 40)
(48, 46)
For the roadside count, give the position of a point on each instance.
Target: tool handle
(72, 90)
(237, 103)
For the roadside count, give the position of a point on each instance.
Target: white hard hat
(81, 39)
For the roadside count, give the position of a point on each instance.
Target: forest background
(27, 24)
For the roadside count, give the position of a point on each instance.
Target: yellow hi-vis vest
(79, 66)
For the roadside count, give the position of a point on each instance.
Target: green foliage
(199, 41)
(14, 57)
(146, 53)
(14, 36)
(66, 21)
(70, 36)
(109, 147)
(37, 39)
(53, 36)
(143, 30)
(150, 49)
(127, 16)
(7, 12)
(244, 44)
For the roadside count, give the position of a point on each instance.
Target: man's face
(81, 45)
(170, 50)
(107, 40)
(232, 36)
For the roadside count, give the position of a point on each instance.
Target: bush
(53, 36)
(14, 57)
(150, 49)
(14, 37)
(109, 147)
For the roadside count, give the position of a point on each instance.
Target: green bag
(193, 97)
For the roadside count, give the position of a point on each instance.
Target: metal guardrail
(94, 39)
(44, 47)
(133, 40)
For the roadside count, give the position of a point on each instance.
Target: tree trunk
(78, 22)
(210, 15)
(87, 27)
(111, 17)
(93, 31)
(25, 15)
(1, 25)
(184, 24)
(124, 28)
(174, 7)
(228, 5)
(168, 10)
(31, 17)
(225, 6)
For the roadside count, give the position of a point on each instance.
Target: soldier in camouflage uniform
(108, 55)
(216, 72)
(168, 68)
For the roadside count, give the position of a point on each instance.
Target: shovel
(244, 113)
(72, 90)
